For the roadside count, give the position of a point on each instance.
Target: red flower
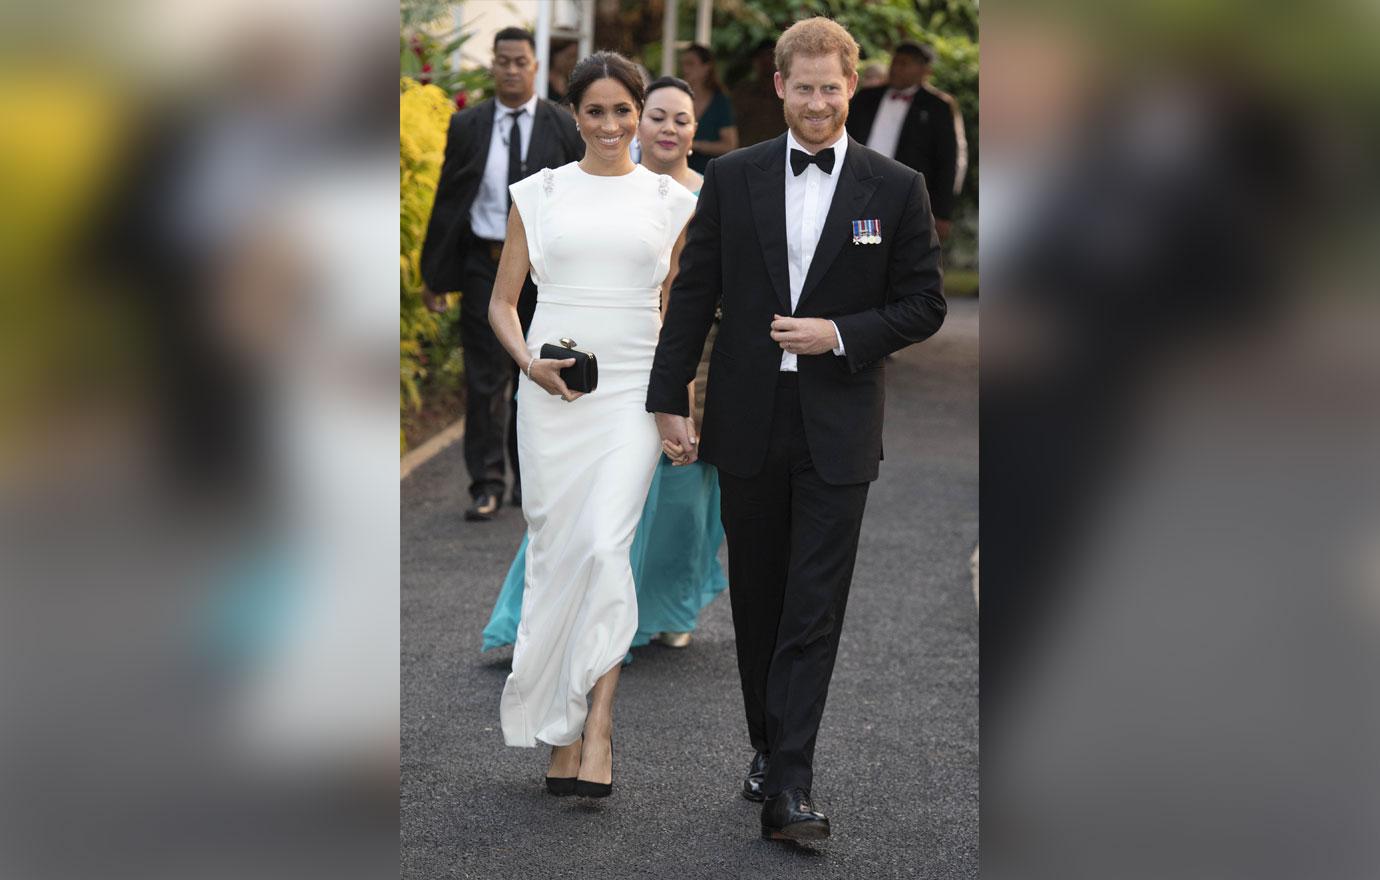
(459, 100)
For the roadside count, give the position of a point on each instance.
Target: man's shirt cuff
(838, 350)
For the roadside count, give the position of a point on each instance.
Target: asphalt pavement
(896, 765)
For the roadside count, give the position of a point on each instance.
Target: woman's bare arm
(513, 267)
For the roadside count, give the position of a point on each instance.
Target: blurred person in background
(233, 430)
(564, 54)
(1178, 435)
(756, 108)
(675, 553)
(871, 75)
(489, 146)
(602, 238)
(834, 264)
(914, 123)
(717, 132)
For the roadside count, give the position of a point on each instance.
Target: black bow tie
(800, 160)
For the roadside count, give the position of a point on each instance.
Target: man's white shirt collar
(840, 147)
(501, 109)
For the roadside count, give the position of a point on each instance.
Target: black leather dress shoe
(756, 778)
(484, 508)
(790, 816)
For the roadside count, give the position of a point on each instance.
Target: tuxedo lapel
(855, 187)
(767, 191)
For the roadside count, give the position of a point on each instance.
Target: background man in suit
(914, 123)
(814, 226)
(491, 145)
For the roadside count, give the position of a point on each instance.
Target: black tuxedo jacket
(928, 141)
(883, 297)
(554, 143)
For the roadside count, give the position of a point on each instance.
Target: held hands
(803, 335)
(679, 439)
(546, 372)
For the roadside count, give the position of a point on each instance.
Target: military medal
(867, 232)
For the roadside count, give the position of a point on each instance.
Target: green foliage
(426, 57)
(949, 17)
(877, 25)
(419, 13)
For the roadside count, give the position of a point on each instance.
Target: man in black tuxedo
(917, 125)
(495, 143)
(824, 257)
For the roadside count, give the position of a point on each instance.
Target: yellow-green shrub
(424, 115)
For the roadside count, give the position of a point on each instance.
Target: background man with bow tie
(500, 141)
(914, 123)
(793, 408)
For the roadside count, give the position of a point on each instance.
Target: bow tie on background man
(800, 160)
(897, 96)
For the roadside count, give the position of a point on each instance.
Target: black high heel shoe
(585, 788)
(561, 786)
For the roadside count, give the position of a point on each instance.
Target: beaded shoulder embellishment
(548, 180)
(664, 185)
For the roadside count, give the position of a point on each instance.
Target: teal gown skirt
(674, 555)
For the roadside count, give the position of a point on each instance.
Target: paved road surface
(896, 766)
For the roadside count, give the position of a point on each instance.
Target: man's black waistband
(490, 248)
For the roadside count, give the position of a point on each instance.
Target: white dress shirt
(489, 213)
(808, 196)
(886, 125)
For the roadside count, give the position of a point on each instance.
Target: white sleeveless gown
(600, 248)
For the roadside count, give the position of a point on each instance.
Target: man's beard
(797, 124)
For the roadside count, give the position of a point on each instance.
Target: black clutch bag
(583, 375)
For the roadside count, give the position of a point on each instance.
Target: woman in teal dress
(717, 131)
(675, 553)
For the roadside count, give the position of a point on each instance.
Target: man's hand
(678, 438)
(803, 335)
(943, 228)
(436, 303)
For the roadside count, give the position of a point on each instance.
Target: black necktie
(515, 168)
(800, 160)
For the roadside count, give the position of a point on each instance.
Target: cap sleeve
(679, 204)
(528, 198)
(682, 206)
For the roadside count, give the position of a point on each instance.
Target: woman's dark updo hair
(706, 57)
(670, 82)
(604, 65)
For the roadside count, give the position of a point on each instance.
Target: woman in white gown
(601, 238)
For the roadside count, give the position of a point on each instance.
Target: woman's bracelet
(528, 371)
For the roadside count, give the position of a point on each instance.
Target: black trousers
(792, 543)
(490, 375)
